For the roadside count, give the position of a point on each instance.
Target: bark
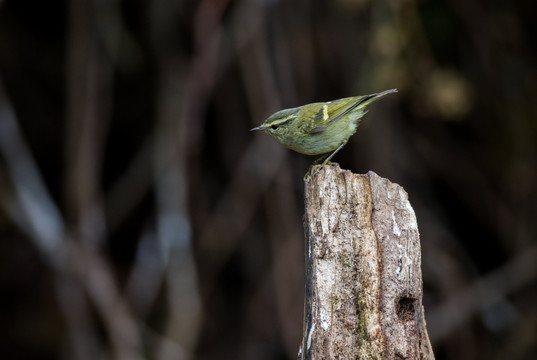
(363, 270)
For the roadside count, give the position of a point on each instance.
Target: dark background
(140, 219)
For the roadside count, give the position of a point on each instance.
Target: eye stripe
(283, 121)
(276, 123)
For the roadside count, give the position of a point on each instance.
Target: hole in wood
(406, 309)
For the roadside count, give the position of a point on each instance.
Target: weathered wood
(363, 270)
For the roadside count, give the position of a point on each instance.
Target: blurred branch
(254, 171)
(287, 252)
(484, 293)
(182, 95)
(438, 152)
(36, 214)
(126, 194)
(88, 90)
(77, 266)
(88, 99)
(146, 277)
(135, 182)
(33, 209)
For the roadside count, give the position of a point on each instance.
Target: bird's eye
(274, 127)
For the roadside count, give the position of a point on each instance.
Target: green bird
(319, 128)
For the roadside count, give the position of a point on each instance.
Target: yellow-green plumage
(319, 128)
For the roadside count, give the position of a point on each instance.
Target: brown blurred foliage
(141, 220)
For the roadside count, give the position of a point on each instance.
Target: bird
(319, 128)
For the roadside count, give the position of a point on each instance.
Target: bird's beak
(259, 128)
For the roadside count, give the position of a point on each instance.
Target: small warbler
(319, 128)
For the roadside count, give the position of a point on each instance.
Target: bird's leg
(320, 160)
(332, 155)
(324, 159)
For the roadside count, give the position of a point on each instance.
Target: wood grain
(363, 270)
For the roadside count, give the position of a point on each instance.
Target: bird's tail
(370, 98)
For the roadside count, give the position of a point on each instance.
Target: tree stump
(363, 270)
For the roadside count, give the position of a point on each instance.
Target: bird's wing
(330, 112)
(324, 114)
